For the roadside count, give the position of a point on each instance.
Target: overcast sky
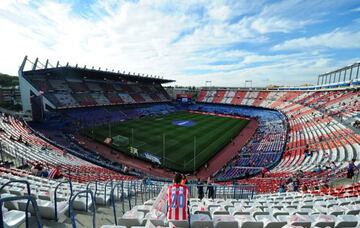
(227, 42)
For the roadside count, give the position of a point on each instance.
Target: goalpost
(120, 141)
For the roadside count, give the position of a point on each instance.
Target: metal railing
(56, 198)
(88, 189)
(29, 199)
(71, 207)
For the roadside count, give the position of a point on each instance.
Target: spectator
(333, 166)
(147, 181)
(296, 185)
(304, 188)
(200, 188)
(184, 180)
(263, 172)
(44, 172)
(317, 169)
(290, 186)
(126, 169)
(282, 188)
(306, 151)
(326, 156)
(177, 200)
(247, 175)
(311, 152)
(210, 189)
(20, 138)
(36, 169)
(55, 173)
(357, 124)
(299, 173)
(351, 169)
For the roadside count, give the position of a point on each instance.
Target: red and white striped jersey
(177, 197)
(54, 173)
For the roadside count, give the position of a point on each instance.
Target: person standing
(210, 189)
(200, 189)
(264, 170)
(177, 200)
(351, 169)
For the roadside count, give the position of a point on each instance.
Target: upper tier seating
(75, 91)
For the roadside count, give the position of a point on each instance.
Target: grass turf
(147, 134)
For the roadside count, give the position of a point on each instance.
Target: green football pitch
(175, 139)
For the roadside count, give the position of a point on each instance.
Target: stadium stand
(263, 150)
(69, 87)
(306, 133)
(267, 210)
(313, 126)
(17, 140)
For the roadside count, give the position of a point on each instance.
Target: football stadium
(253, 123)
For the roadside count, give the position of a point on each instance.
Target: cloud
(275, 24)
(220, 13)
(355, 10)
(335, 39)
(189, 41)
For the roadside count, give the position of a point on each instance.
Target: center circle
(183, 123)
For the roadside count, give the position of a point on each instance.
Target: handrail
(87, 189)
(142, 192)
(112, 196)
(72, 215)
(28, 191)
(17, 181)
(135, 193)
(55, 196)
(29, 199)
(106, 183)
(122, 196)
(129, 192)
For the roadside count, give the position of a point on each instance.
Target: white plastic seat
(225, 221)
(179, 223)
(201, 210)
(13, 218)
(149, 202)
(245, 221)
(132, 218)
(101, 199)
(155, 218)
(143, 208)
(343, 221)
(353, 209)
(219, 211)
(201, 221)
(80, 203)
(12, 205)
(300, 220)
(324, 220)
(269, 221)
(112, 226)
(48, 211)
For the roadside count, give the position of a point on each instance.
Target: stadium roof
(37, 68)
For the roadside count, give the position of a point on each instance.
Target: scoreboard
(184, 98)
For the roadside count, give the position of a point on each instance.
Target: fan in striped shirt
(178, 200)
